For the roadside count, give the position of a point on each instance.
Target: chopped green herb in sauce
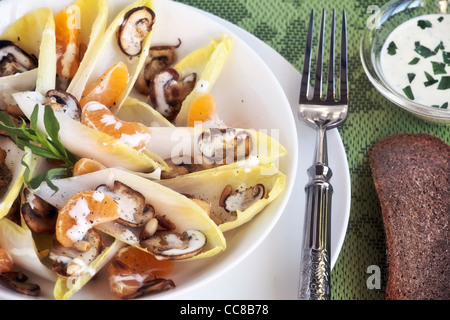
(439, 47)
(408, 92)
(392, 48)
(444, 84)
(438, 67)
(446, 56)
(414, 61)
(424, 24)
(430, 79)
(423, 51)
(417, 63)
(411, 77)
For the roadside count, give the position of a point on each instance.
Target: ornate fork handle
(315, 268)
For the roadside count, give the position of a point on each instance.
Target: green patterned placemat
(282, 25)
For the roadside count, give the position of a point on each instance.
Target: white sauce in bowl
(415, 60)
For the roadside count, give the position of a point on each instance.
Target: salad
(113, 157)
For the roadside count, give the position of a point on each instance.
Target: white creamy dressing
(80, 212)
(196, 241)
(396, 67)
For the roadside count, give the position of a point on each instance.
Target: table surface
(281, 24)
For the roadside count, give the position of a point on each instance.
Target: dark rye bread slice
(411, 176)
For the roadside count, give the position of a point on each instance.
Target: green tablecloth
(282, 25)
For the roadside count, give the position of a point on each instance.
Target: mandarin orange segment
(99, 117)
(108, 88)
(86, 165)
(83, 211)
(67, 46)
(203, 108)
(131, 267)
(6, 263)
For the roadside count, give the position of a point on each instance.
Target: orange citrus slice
(82, 212)
(86, 165)
(67, 35)
(99, 117)
(203, 109)
(108, 88)
(131, 267)
(6, 263)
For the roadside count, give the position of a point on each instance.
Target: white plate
(250, 89)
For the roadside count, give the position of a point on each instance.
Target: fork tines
(331, 93)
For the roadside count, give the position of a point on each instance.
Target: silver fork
(322, 114)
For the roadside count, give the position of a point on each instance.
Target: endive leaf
(14, 159)
(207, 63)
(65, 288)
(93, 17)
(86, 142)
(35, 34)
(209, 185)
(135, 110)
(18, 242)
(181, 211)
(107, 53)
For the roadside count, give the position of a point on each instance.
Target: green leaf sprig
(44, 145)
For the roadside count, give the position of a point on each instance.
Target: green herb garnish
(438, 67)
(444, 84)
(44, 145)
(408, 92)
(440, 19)
(423, 51)
(411, 77)
(430, 80)
(392, 48)
(414, 61)
(446, 56)
(423, 24)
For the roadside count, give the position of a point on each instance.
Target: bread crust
(411, 177)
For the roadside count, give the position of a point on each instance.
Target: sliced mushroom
(148, 285)
(241, 200)
(14, 60)
(18, 282)
(38, 214)
(73, 261)
(224, 146)
(135, 212)
(171, 245)
(5, 172)
(167, 92)
(151, 285)
(179, 169)
(136, 25)
(159, 59)
(62, 101)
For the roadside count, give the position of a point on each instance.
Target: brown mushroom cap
(159, 59)
(14, 60)
(18, 282)
(39, 215)
(241, 200)
(62, 101)
(136, 25)
(223, 146)
(168, 91)
(171, 245)
(135, 212)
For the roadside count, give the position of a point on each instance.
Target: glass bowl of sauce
(405, 52)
